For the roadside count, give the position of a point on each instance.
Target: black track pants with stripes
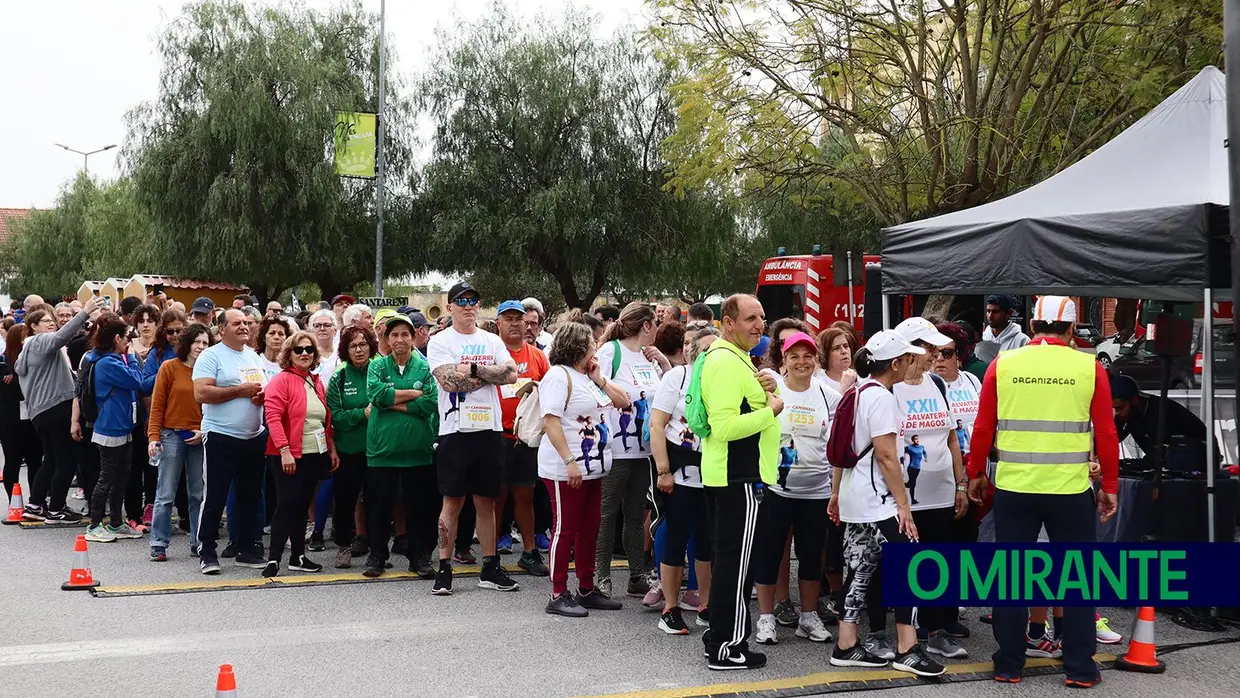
(736, 518)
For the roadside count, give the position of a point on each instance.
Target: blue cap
(511, 305)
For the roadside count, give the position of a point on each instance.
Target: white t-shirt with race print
(586, 412)
(804, 425)
(864, 495)
(476, 410)
(927, 424)
(640, 378)
(670, 398)
(964, 394)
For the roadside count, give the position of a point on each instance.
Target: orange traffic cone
(17, 504)
(226, 682)
(1141, 651)
(79, 574)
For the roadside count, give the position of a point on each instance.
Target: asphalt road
(385, 638)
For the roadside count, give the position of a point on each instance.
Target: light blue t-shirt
(238, 418)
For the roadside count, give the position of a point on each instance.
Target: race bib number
(511, 390)
(477, 418)
(600, 397)
(252, 375)
(803, 420)
(645, 377)
(320, 440)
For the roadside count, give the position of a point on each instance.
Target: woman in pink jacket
(300, 433)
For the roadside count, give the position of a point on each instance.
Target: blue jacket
(117, 384)
(151, 369)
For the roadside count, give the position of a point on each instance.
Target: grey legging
(624, 488)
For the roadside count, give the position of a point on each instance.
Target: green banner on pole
(354, 137)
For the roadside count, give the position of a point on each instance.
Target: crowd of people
(405, 434)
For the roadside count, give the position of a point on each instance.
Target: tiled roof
(7, 215)
(173, 282)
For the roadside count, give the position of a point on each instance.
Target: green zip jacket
(347, 401)
(394, 438)
(744, 432)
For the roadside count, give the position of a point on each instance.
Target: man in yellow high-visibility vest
(1036, 408)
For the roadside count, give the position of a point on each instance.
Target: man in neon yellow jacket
(744, 441)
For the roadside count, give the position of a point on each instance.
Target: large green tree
(546, 158)
(232, 158)
(914, 107)
(94, 230)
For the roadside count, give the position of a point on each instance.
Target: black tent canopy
(1140, 217)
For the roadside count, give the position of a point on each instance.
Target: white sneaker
(100, 534)
(766, 631)
(811, 628)
(1103, 632)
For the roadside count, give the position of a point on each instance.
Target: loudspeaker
(1172, 336)
(874, 302)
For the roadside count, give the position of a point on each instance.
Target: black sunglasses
(303, 350)
(947, 353)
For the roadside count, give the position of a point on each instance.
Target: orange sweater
(172, 400)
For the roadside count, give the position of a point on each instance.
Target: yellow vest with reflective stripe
(1044, 392)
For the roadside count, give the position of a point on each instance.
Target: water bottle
(159, 452)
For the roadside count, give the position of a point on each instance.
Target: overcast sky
(72, 68)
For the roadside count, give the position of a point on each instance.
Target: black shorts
(470, 462)
(806, 518)
(520, 464)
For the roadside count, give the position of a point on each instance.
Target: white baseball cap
(920, 329)
(1054, 309)
(889, 344)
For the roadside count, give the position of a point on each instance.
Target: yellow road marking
(826, 678)
(43, 524)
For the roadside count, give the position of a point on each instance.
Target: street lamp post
(381, 120)
(86, 155)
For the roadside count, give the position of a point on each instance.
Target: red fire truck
(814, 288)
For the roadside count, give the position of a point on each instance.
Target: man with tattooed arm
(468, 363)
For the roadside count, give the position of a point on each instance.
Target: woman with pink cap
(797, 491)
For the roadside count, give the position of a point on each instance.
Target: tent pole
(1207, 403)
(852, 313)
(886, 312)
(1231, 54)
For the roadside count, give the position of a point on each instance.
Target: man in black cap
(1136, 415)
(468, 362)
(421, 330)
(1000, 330)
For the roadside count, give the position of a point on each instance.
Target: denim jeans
(177, 456)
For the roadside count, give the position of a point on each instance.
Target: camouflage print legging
(863, 551)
